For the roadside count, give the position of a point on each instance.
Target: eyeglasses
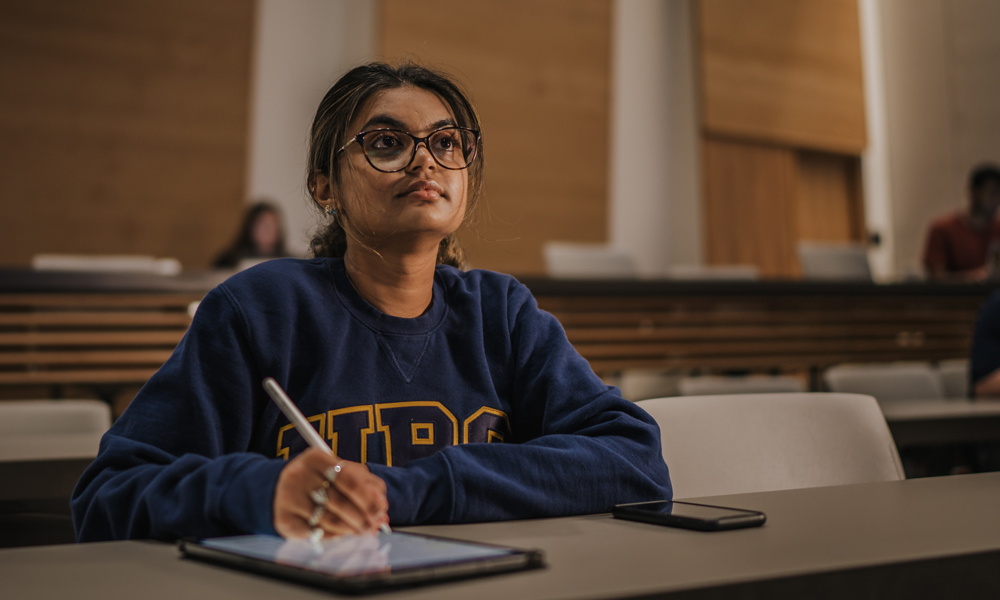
(391, 150)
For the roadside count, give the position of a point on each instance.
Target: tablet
(356, 564)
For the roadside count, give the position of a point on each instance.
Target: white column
(301, 48)
(654, 195)
(920, 121)
(875, 161)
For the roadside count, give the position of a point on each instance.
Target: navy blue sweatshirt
(477, 410)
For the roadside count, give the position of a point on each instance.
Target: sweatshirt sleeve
(175, 464)
(985, 356)
(579, 447)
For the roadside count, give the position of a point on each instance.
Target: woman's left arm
(582, 447)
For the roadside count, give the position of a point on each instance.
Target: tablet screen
(357, 555)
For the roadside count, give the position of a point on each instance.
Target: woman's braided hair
(330, 129)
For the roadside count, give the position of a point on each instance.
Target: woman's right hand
(356, 501)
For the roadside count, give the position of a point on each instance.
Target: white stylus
(295, 415)
(298, 419)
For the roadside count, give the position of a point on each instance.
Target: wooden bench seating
(762, 332)
(73, 338)
(104, 339)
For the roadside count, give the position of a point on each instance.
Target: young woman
(446, 396)
(260, 237)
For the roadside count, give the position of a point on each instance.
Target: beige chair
(51, 429)
(893, 381)
(714, 385)
(640, 384)
(712, 272)
(90, 263)
(44, 447)
(954, 378)
(736, 444)
(572, 260)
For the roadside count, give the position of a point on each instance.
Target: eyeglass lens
(390, 150)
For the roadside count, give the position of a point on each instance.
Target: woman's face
(265, 233)
(424, 201)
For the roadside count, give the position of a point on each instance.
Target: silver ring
(319, 496)
(316, 535)
(316, 516)
(331, 473)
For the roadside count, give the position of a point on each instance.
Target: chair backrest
(712, 272)
(954, 378)
(125, 263)
(894, 381)
(580, 260)
(736, 444)
(48, 429)
(26, 417)
(640, 384)
(712, 385)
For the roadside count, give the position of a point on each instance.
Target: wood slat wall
(828, 198)
(783, 125)
(539, 74)
(762, 200)
(106, 339)
(762, 333)
(783, 71)
(749, 203)
(123, 126)
(668, 329)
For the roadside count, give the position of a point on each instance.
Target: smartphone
(688, 515)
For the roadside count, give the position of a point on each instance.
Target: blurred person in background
(959, 243)
(261, 237)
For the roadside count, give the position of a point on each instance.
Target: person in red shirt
(959, 243)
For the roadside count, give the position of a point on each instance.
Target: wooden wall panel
(539, 76)
(749, 193)
(828, 198)
(123, 126)
(761, 200)
(783, 71)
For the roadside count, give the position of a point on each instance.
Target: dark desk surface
(29, 281)
(546, 286)
(927, 538)
(43, 485)
(926, 422)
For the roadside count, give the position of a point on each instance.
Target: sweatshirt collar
(378, 320)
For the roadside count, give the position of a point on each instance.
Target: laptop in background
(831, 260)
